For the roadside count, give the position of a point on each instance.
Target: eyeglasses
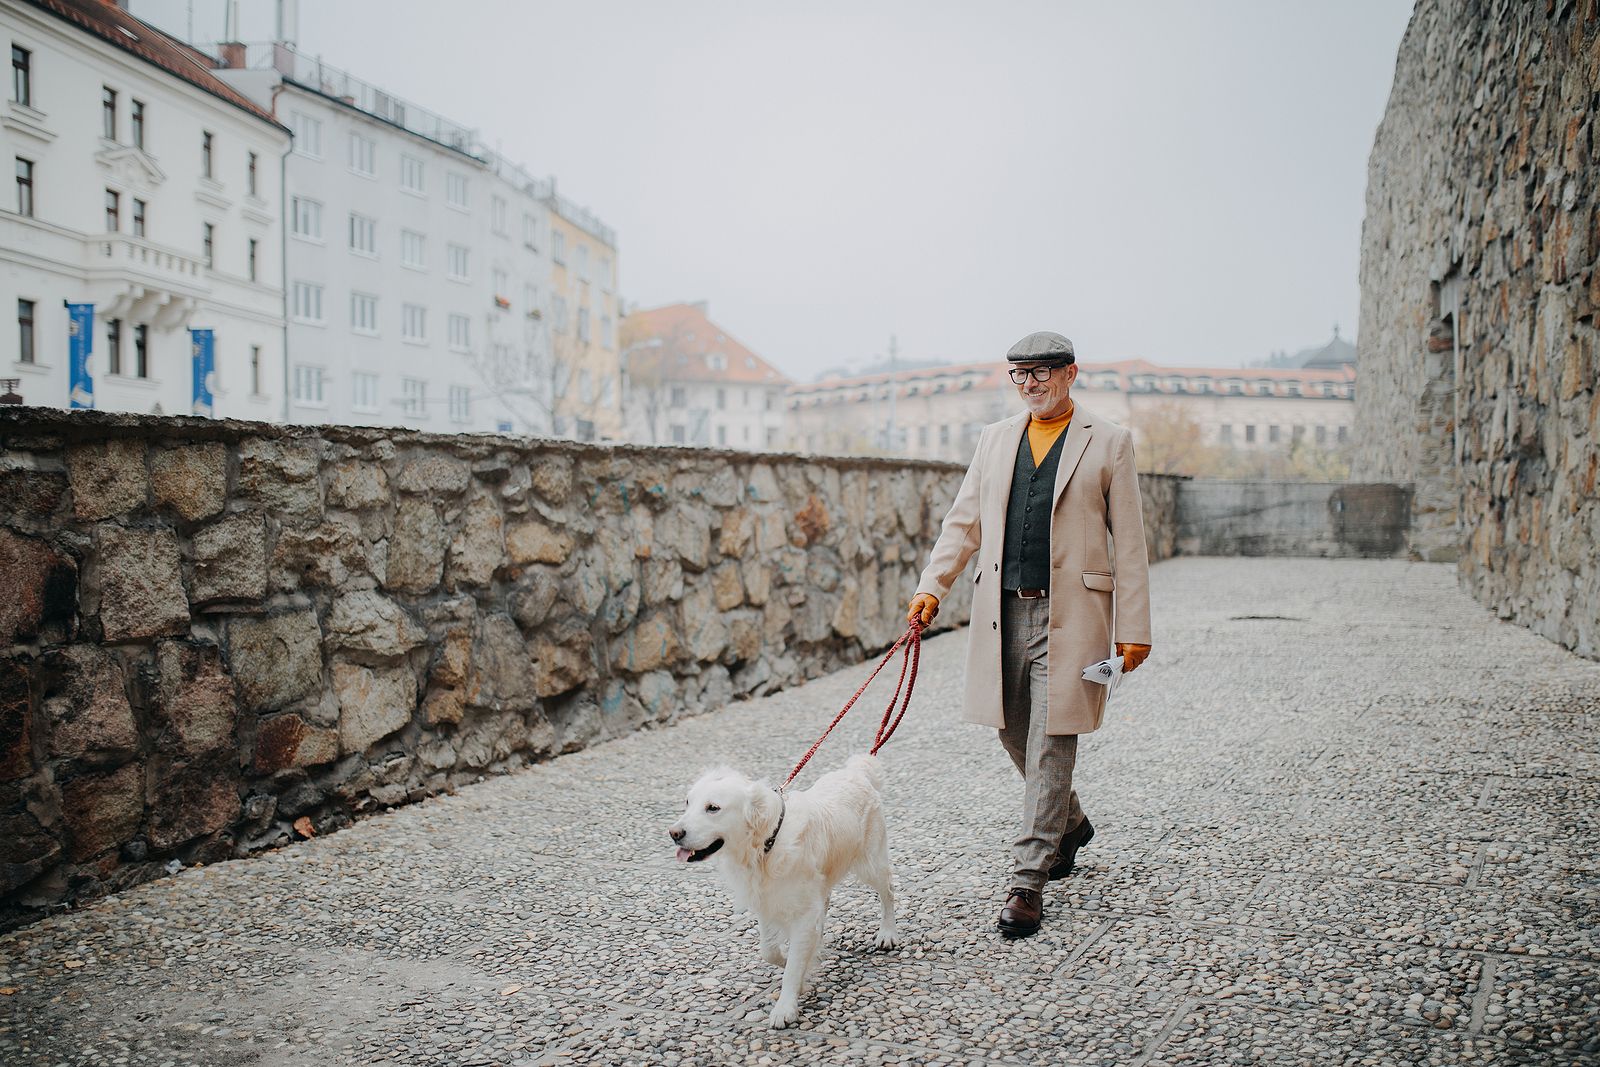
(1039, 374)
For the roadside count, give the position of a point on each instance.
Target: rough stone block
(372, 703)
(27, 849)
(16, 717)
(534, 542)
(536, 593)
(281, 476)
(38, 589)
(192, 799)
(738, 530)
(101, 811)
(355, 485)
(230, 561)
(367, 621)
(287, 740)
(141, 584)
(108, 478)
(86, 705)
(30, 494)
(194, 697)
(651, 645)
(276, 659)
(327, 556)
(563, 657)
(552, 478)
(504, 669)
(192, 480)
(478, 545)
(727, 587)
(416, 548)
(440, 475)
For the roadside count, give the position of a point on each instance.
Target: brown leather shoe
(1021, 913)
(1067, 854)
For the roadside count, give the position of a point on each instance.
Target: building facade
(148, 189)
(416, 264)
(691, 383)
(930, 412)
(586, 374)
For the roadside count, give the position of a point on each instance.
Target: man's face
(1046, 399)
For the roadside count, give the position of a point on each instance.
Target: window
(141, 350)
(411, 249)
(307, 134)
(722, 399)
(460, 333)
(255, 370)
(113, 211)
(24, 186)
(1225, 433)
(411, 174)
(944, 435)
(364, 392)
(583, 324)
(530, 232)
(1322, 435)
(308, 302)
(208, 236)
(677, 398)
(560, 325)
(608, 394)
(722, 435)
(22, 76)
(206, 154)
(250, 174)
(605, 274)
(363, 235)
(1273, 433)
(922, 436)
(1298, 434)
(678, 436)
(113, 346)
(460, 403)
(363, 155)
(530, 298)
(138, 124)
(583, 263)
(308, 385)
(414, 396)
(497, 216)
(306, 218)
(254, 245)
(455, 190)
(605, 331)
(558, 247)
(585, 385)
(364, 314)
(108, 113)
(1250, 435)
(414, 323)
(1343, 431)
(456, 262)
(138, 220)
(25, 352)
(502, 285)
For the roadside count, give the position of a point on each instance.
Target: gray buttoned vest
(1026, 562)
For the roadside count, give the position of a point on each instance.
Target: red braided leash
(912, 642)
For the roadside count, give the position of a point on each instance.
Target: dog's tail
(870, 766)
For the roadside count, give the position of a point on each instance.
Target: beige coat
(1096, 494)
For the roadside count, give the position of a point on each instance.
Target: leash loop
(911, 642)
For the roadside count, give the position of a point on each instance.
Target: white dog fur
(833, 829)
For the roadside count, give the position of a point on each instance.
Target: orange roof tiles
(689, 344)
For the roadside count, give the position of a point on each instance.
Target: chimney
(120, 5)
(232, 53)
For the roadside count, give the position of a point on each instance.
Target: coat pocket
(1099, 580)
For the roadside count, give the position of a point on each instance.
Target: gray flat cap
(1043, 346)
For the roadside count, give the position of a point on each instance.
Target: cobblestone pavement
(1343, 817)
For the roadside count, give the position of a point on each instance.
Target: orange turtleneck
(1042, 433)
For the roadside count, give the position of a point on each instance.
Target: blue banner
(203, 356)
(80, 343)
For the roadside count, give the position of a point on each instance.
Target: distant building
(587, 374)
(148, 189)
(417, 264)
(930, 413)
(691, 383)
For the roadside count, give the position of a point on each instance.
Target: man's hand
(924, 606)
(1132, 655)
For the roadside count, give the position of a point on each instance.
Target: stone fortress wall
(1479, 285)
(216, 637)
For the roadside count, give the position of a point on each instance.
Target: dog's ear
(761, 807)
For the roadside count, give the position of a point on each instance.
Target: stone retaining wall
(216, 637)
(1218, 517)
(1480, 278)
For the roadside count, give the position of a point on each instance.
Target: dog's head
(723, 807)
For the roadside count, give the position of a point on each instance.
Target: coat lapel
(1003, 462)
(1078, 434)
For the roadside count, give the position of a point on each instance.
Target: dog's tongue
(684, 854)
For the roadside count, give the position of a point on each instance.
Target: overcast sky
(1176, 181)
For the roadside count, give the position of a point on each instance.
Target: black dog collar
(782, 811)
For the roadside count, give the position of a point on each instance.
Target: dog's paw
(783, 1015)
(885, 940)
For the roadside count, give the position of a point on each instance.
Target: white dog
(782, 857)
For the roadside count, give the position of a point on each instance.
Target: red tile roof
(110, 23)
(688, 340)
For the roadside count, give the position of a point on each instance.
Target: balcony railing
(163, 267)
(312, 73)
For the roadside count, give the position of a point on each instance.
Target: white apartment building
(145, 187)
(416, 265)
(690, 383)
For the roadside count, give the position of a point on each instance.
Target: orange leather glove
(1132, 655)
(924, 606)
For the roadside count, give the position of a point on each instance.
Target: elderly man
(1044, 490)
